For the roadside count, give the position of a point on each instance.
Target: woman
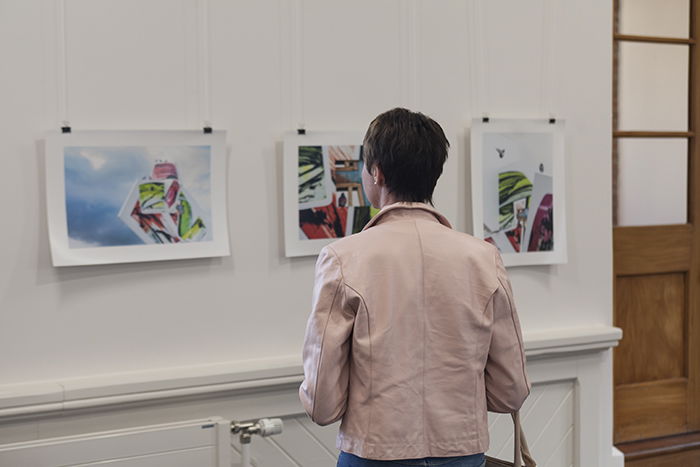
(413, 335)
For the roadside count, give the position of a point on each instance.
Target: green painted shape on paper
(186, 227)
(151, 191)
(311, 173)
(512, 186)
(362, 216)
(196, 228)
(185, 216)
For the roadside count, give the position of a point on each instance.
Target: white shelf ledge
(20, 400)
(551, 343)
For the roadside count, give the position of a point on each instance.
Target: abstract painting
(324, 199)
(135, 196)
(518, 191)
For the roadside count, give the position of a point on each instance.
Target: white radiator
(196, 443)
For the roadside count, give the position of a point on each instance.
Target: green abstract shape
(186, 228)
(311, 173)
(512, 186)
(362, 216)
(148, 192)
(185, 220)
(195, 229)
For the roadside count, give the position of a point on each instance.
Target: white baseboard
(618, 458)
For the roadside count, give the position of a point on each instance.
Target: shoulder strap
(522, 451)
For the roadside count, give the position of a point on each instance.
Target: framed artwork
(323, 195)
(128, 196)
(518, 192)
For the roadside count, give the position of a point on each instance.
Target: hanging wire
(298, 66)
(61, 67)
(204, 59)
(477, 61)
(408, 58)
(547, 81)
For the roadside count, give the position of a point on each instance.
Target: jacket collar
(416, 207)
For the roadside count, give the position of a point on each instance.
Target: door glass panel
(653, 87)
(652, 186)
(664, 18)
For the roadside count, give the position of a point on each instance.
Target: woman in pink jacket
(413, 333)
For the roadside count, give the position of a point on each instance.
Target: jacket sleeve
(326, 353)
(507, 385)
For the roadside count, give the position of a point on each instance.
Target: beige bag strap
(517, 456)
(522, 451)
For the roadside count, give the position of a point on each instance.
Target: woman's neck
(386, 198)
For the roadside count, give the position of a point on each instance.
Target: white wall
(133, 64)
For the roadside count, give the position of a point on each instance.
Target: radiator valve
(263, 427)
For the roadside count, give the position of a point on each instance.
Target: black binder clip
(207, 130)
(552, 120)
(65, 129)
(301, 131)
(485, 119)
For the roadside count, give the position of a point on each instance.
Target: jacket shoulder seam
(422, 260)
(337, 258)
(511, 307)
(323, 335)
(371, 365)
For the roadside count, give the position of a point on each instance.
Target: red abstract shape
(514, 236)
(153, 225)
(324, 222)
(171, 195)
(542, 236)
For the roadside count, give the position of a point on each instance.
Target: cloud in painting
(97, 160)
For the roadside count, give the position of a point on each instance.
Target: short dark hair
(410, 149)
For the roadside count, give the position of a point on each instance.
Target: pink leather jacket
(413, 335)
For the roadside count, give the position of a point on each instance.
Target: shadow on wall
(464, 165)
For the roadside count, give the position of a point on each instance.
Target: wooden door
(657, 266)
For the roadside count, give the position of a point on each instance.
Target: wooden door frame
(686, 257)
(694, 221)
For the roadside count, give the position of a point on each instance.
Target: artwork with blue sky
(99, 180)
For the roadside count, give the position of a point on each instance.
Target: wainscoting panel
(567, 417)
(302, 443)
(548, 421)
(547, 417)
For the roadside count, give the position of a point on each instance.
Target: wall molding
(552, 343)
(47, 397)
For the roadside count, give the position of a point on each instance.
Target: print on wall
(518, 189)
(135, 196)
(324, 199)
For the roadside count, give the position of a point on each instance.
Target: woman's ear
(377, 175)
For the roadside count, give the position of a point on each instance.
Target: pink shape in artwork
(542, 236)
(171, 195)
(164, 170)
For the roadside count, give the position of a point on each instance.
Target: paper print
(348, 200)
(517, 175)
(111, 192)
(324, 198)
